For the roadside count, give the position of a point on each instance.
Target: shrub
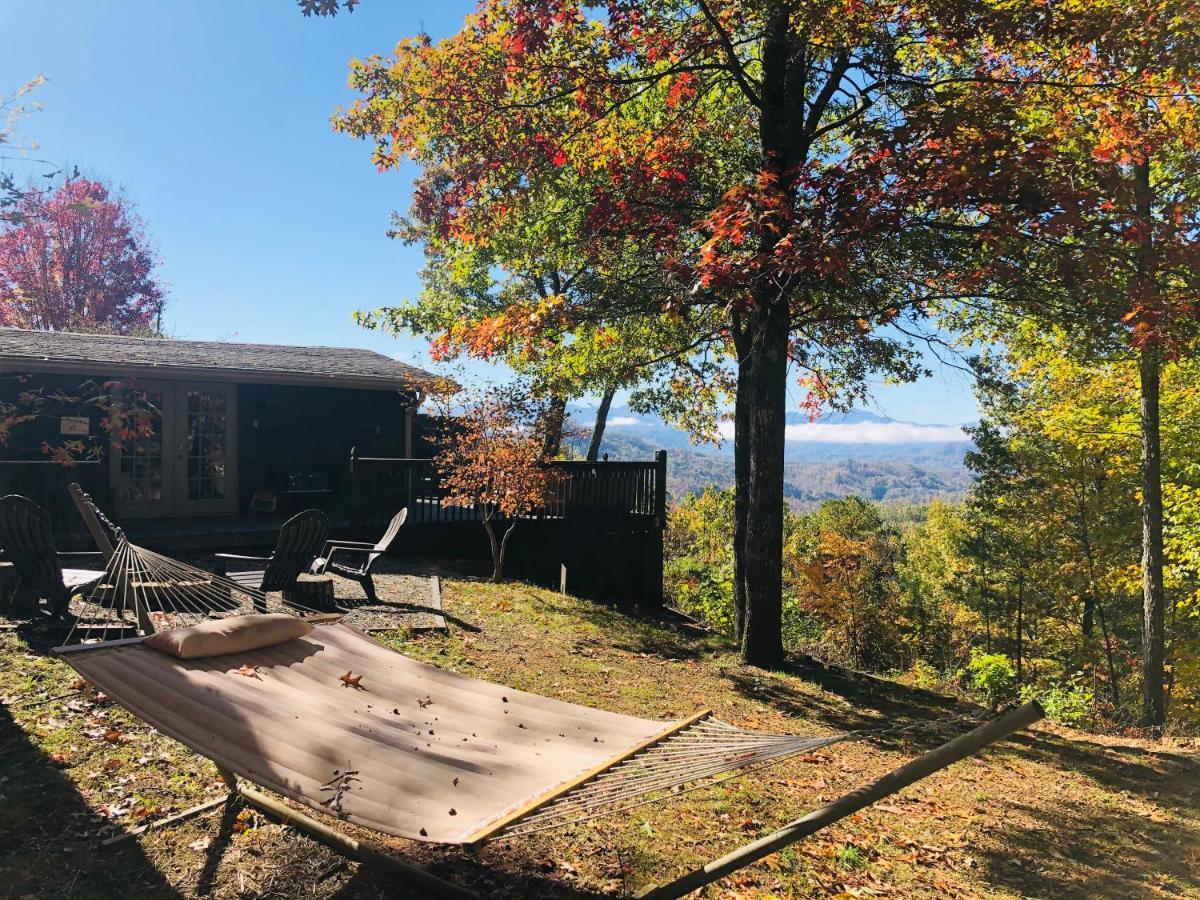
(992, 675)
(922, 675)
(1069, 702)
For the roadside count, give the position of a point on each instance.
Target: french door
(182, 460)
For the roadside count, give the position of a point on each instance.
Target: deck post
(939, 758)
(660, 489)
(657, 547)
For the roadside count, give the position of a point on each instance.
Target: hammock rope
(693, 759)
(168, 593)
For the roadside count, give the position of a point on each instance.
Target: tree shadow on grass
(1075, 850)
(852, 702)
(1117, 767)
(855, 702)
(49, 837)
(472, 874)
(212, 856)
(647, 630)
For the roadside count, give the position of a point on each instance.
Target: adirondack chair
(359, 556)
(299, 540)
(27, 541)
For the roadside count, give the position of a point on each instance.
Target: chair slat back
(300, 540)
(393, 529)
(28, 543)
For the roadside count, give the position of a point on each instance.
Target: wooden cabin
(238, 437)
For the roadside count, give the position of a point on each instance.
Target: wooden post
(939, 758)
(657, 550)
(355, 499)
(660, 489)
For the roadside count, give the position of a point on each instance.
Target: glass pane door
(206, 460)
(141, 461)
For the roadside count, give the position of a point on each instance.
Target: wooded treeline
(1033, 583)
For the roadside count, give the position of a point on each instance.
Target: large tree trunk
(762, 637)
(741, 477)
(768, 327)
(1154, 709)
(593, 451)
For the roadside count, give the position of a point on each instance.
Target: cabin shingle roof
(96, 354)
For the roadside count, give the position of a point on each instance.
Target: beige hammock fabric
(415, 751)
(405, 748)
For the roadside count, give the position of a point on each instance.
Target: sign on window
(80, 425)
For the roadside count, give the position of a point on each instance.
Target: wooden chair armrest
(221, 561)
(361, 551)
(350, 545)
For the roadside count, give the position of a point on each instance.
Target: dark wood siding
(297, 439)
(283, 431)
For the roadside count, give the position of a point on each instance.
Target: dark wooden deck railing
(608, 495)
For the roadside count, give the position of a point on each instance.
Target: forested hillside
(912, 473)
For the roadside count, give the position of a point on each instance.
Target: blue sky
(214, 118)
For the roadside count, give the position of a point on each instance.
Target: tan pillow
(233, 635)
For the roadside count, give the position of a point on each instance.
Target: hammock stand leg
(939, 758)
(428, 883)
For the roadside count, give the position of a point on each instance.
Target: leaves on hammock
(351, 680)
(248, 671)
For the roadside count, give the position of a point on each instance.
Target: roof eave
(40, 366)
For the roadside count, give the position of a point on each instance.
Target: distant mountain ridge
(857, 452)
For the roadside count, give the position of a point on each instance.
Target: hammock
(346, 726)
(398, 746)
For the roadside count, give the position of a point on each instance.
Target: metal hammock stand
(143, 591)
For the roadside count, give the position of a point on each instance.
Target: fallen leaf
(248, 671)
(351, 680)
(202, 844)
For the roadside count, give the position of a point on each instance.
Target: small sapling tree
(490, 460)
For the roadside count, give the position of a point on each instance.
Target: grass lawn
(1052, 813)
